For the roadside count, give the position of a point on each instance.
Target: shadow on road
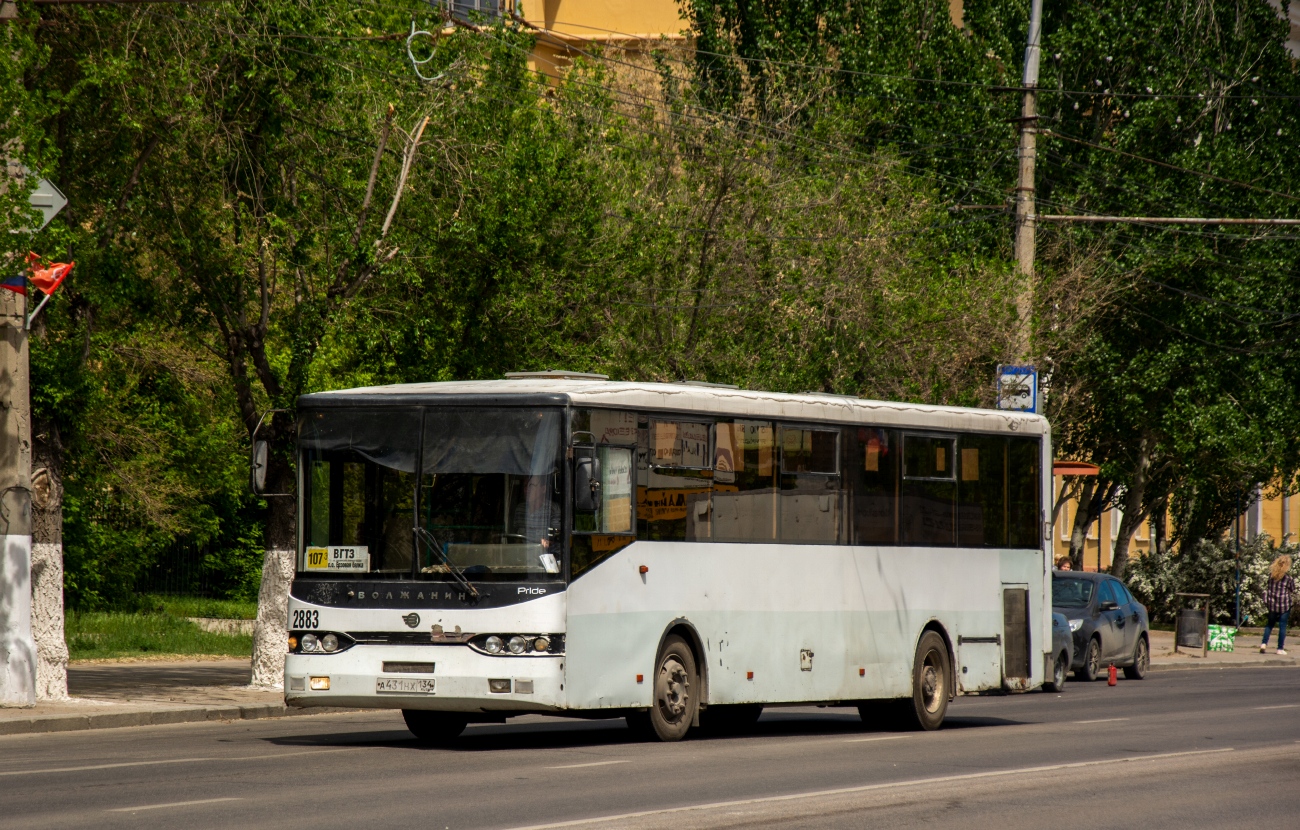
(535, 732)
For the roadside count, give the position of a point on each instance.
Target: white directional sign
(1018, 388)
(47, 198)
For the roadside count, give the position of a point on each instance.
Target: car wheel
(930, 679)
(1059, 670)
(676, 691)
(434, 728)
(1091, 662)
(1141, 661)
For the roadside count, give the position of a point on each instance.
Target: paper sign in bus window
(616, 491)
(613, 426)
(680, 444)
(970, 464)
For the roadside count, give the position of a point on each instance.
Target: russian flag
(16, 284)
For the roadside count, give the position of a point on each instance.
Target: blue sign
(1018, 388)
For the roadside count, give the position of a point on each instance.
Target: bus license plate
(404, 685)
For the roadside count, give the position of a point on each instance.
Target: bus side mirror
(586, 484)
(259, 458)
(257, 467)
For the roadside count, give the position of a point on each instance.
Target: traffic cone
(1112, 676)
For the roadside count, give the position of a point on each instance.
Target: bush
(1208, 568)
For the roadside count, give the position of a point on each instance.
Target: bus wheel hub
(673, 689)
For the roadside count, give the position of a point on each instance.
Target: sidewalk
(1247, 653)
(108, 695)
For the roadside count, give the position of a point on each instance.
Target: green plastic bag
(1222, 638)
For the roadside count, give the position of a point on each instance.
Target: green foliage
(95, 635)
(1171, 352)
(777, 210)
(1208, 568)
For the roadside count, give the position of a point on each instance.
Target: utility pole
(17, 650)
(1025, 205)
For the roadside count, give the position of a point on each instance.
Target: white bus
(670, 553)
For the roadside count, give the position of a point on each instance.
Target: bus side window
(811, 494)
(871, 471)
(1023, 510)
(744, 482)
(981, 491)
(674, 481)
(611, 528)
(927, 506)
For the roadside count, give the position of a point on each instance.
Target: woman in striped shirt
(1277, 599)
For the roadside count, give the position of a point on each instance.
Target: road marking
(173, 761)
(877, 738)
(915, 782)
(172, 804)
(592, 764)
(1284, 706)
(1101, 720)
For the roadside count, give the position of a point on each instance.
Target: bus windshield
(482, 485)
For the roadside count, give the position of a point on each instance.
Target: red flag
(47, 279)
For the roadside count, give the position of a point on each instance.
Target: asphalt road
(1178, 750)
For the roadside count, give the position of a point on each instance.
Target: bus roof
(681, 398)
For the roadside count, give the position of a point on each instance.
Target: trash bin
(1192, 625)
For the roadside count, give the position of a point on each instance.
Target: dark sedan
(1108, 625)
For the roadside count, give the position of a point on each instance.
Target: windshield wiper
(429, 539)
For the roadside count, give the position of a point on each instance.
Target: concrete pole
(17, 651)
(1024, 242)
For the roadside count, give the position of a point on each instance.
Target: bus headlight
(319, 642)
(518, 645)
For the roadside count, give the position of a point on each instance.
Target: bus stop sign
(1018, 388)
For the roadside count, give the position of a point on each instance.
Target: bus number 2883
(306, 619)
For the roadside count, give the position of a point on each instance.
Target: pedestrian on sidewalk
(1278, 597)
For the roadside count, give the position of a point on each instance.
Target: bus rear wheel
(676, 693)
(931, 676)
(434, 728)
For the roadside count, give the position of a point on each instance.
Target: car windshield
(1071, 591)
(446, 494)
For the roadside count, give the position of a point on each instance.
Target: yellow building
(572, 26)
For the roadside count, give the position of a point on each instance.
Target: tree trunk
(270, 632)
(1134, 514)
(1160, 527)
(1079, 533)
(47, 564)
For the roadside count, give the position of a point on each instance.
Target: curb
(1242, 664)
(154, 717)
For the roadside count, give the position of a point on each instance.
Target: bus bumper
(463, 680)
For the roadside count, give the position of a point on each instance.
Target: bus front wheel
(434, 728)
(931, 675)
(676, 693)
